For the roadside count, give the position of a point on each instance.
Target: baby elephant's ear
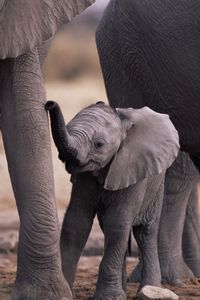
(150, 147)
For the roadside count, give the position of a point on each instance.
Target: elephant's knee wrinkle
(109, 272)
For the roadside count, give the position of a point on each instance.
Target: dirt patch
(86, 279)
(87, 270)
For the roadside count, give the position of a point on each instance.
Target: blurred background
(73, 78)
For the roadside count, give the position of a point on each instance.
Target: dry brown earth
(88, 266)
(86, 279)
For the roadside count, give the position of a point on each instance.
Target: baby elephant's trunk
(62, 139)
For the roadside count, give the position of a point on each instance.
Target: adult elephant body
(25, 28)
(149, 54)
(153, 49)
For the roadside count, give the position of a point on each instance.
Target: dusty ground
(88, 266)
(85, 279)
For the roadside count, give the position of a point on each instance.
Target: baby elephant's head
(138, 143)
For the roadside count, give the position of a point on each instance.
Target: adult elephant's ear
(26, 23)
(150, 147)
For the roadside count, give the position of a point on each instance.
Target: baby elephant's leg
(136, 274)
(147, 271)
(124, 273)
(118, 214)
(77, 223)
(146, 235)
(145, 230)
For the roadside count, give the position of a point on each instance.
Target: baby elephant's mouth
(72, 165)
(70, 168)
(76, 167)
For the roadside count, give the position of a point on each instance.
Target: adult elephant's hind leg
(191, 234)
(180, 180)
(27, 144)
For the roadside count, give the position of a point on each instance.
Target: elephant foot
(194, 265)
(110, 296)
(149, 292)
(174, 270)
(54, 289)
(136, 274)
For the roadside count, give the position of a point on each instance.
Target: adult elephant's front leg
(27, 144)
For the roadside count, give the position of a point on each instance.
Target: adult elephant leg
(27, 144)
(180, 180)
(77, 223)
(191, 234)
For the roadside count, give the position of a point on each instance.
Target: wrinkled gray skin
(24, 28)
(149, 54)
(180, 206)
(118, 161)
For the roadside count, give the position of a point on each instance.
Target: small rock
(149, 292)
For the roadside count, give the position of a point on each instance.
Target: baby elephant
(117, 158)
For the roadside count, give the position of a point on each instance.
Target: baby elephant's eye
(99, 144)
